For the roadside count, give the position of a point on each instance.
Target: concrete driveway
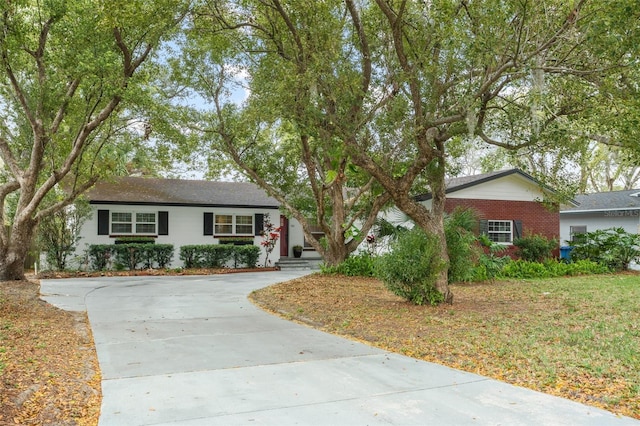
(194, 351)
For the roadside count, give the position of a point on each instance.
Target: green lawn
(574, 335)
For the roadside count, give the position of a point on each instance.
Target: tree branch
(292, 29)
(507, 146)
(365, 61)
(376, 206)
(71, 90)
(10, 161)
(69, 199)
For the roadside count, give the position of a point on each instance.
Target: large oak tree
(70, 71)
(395, 83)
(285, 136)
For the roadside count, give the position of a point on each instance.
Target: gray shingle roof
(607, 201)
(178, 192)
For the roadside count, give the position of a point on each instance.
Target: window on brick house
(501, 231)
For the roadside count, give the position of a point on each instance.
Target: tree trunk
(431, 220)
(438, 200)
(12, 266)
(14, 254)
(442, 282)
(336, 254)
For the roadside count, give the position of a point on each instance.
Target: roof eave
(428, 196)
(169, 204)
(600, 209)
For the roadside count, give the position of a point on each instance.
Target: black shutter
(259, 223)
(208, 224)
(103, 222)
(484, 227)
(517, 229)
(163, 223)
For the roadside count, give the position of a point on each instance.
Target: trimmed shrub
(134, 256)
(410, 269)
(246, 255)
(356, 265)
(190, 256)
(135, 240)
(535, 247)
(217, 255)
(128, 255)
(162, 254)
(99, 256)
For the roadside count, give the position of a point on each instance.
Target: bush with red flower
(270, 235)
(371, 244)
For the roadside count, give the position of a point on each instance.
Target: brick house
(508, 203)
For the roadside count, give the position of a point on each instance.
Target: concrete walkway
(194, 351)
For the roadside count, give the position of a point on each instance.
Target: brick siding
(536, 218)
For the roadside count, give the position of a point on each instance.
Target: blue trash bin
(565, 252)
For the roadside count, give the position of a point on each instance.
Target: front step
(297, 264)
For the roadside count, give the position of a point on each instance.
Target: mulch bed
(149, 272)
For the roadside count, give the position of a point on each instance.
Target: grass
(3, 350)
(575, 337)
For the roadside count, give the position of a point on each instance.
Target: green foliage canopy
(70, 74)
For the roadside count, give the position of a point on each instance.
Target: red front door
(284, 236)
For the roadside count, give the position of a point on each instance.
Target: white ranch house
(187, 212)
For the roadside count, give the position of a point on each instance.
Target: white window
(128, 223)
(226, 224)
(500, 231)
(145, 223)
(121, 223)
(577, 233)
(244, 225)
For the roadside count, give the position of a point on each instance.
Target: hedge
(130, 255)
(217, 255)
(134, 256)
